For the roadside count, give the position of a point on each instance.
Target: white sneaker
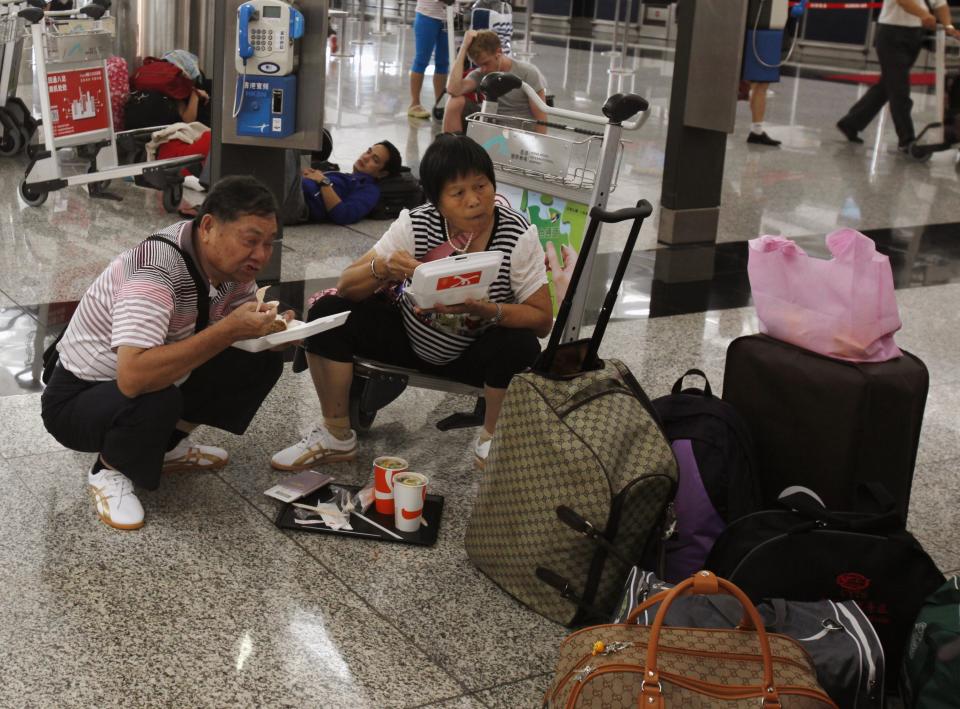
(192, 182)
(190, 456)
(481, 449)
(318, 446)
(116, 504)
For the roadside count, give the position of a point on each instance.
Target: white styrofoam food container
(452, 280)
(296, 330)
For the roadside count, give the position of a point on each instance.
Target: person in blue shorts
(430, 36)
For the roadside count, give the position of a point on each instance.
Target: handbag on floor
(839, 638)
(807, 553)
(576, 435)
(630, 665)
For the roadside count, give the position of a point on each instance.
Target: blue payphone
(265, 105)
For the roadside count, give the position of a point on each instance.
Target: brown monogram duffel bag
(613, 666)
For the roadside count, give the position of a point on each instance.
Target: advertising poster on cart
(561, 225)
(78, 101)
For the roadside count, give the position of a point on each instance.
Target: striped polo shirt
(440, 339)
(145, 298)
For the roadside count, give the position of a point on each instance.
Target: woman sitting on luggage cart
(481, 342)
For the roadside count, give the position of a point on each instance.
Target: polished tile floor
(211, 605)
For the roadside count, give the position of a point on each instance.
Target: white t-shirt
(893, 14)
(432, 8)
(440, 339)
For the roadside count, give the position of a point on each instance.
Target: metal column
(703, 98)
(268, 159)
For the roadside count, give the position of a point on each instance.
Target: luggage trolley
(943, 133)
(76, 112)
(574, 163)
(17, 125)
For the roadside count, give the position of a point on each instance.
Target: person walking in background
(430, 36)
(900, 29)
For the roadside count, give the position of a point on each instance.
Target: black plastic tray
(425, 536)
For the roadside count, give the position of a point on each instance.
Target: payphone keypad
(263, 41)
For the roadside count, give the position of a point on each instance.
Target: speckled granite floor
(210, 605)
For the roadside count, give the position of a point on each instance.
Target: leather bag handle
(746, 622)
(706, 583)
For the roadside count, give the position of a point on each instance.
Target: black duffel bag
(808, 553)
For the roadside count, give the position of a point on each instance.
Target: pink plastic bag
(844, 307)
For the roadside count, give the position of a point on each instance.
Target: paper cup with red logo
(409, 494)
(384, 468)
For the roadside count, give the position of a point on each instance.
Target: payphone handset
(773, 15)
(266, 31)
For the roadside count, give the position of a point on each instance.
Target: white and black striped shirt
(439, 339)
(145, 298)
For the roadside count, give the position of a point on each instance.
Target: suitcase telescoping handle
(597, 216)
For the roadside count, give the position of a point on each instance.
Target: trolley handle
(641, 211)
(617, 108)
(35, 12)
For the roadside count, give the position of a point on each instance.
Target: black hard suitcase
(827, 424)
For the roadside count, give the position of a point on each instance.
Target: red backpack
(163, 77)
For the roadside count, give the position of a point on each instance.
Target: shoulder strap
(203, 295)
(51, 356)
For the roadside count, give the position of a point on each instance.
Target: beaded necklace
(463, 250)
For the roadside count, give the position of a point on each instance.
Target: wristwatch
(326, 182)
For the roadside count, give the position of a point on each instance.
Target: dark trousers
(375, 330)
(132, 434)
(897, 49)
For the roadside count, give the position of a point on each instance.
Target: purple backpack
(717, 482)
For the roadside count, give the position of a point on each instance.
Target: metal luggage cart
(573, 163)
(76, 113)
(569, 160)
(939, 136)
(17, 125)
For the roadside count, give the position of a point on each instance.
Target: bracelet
(496, 319)
(373, 269)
